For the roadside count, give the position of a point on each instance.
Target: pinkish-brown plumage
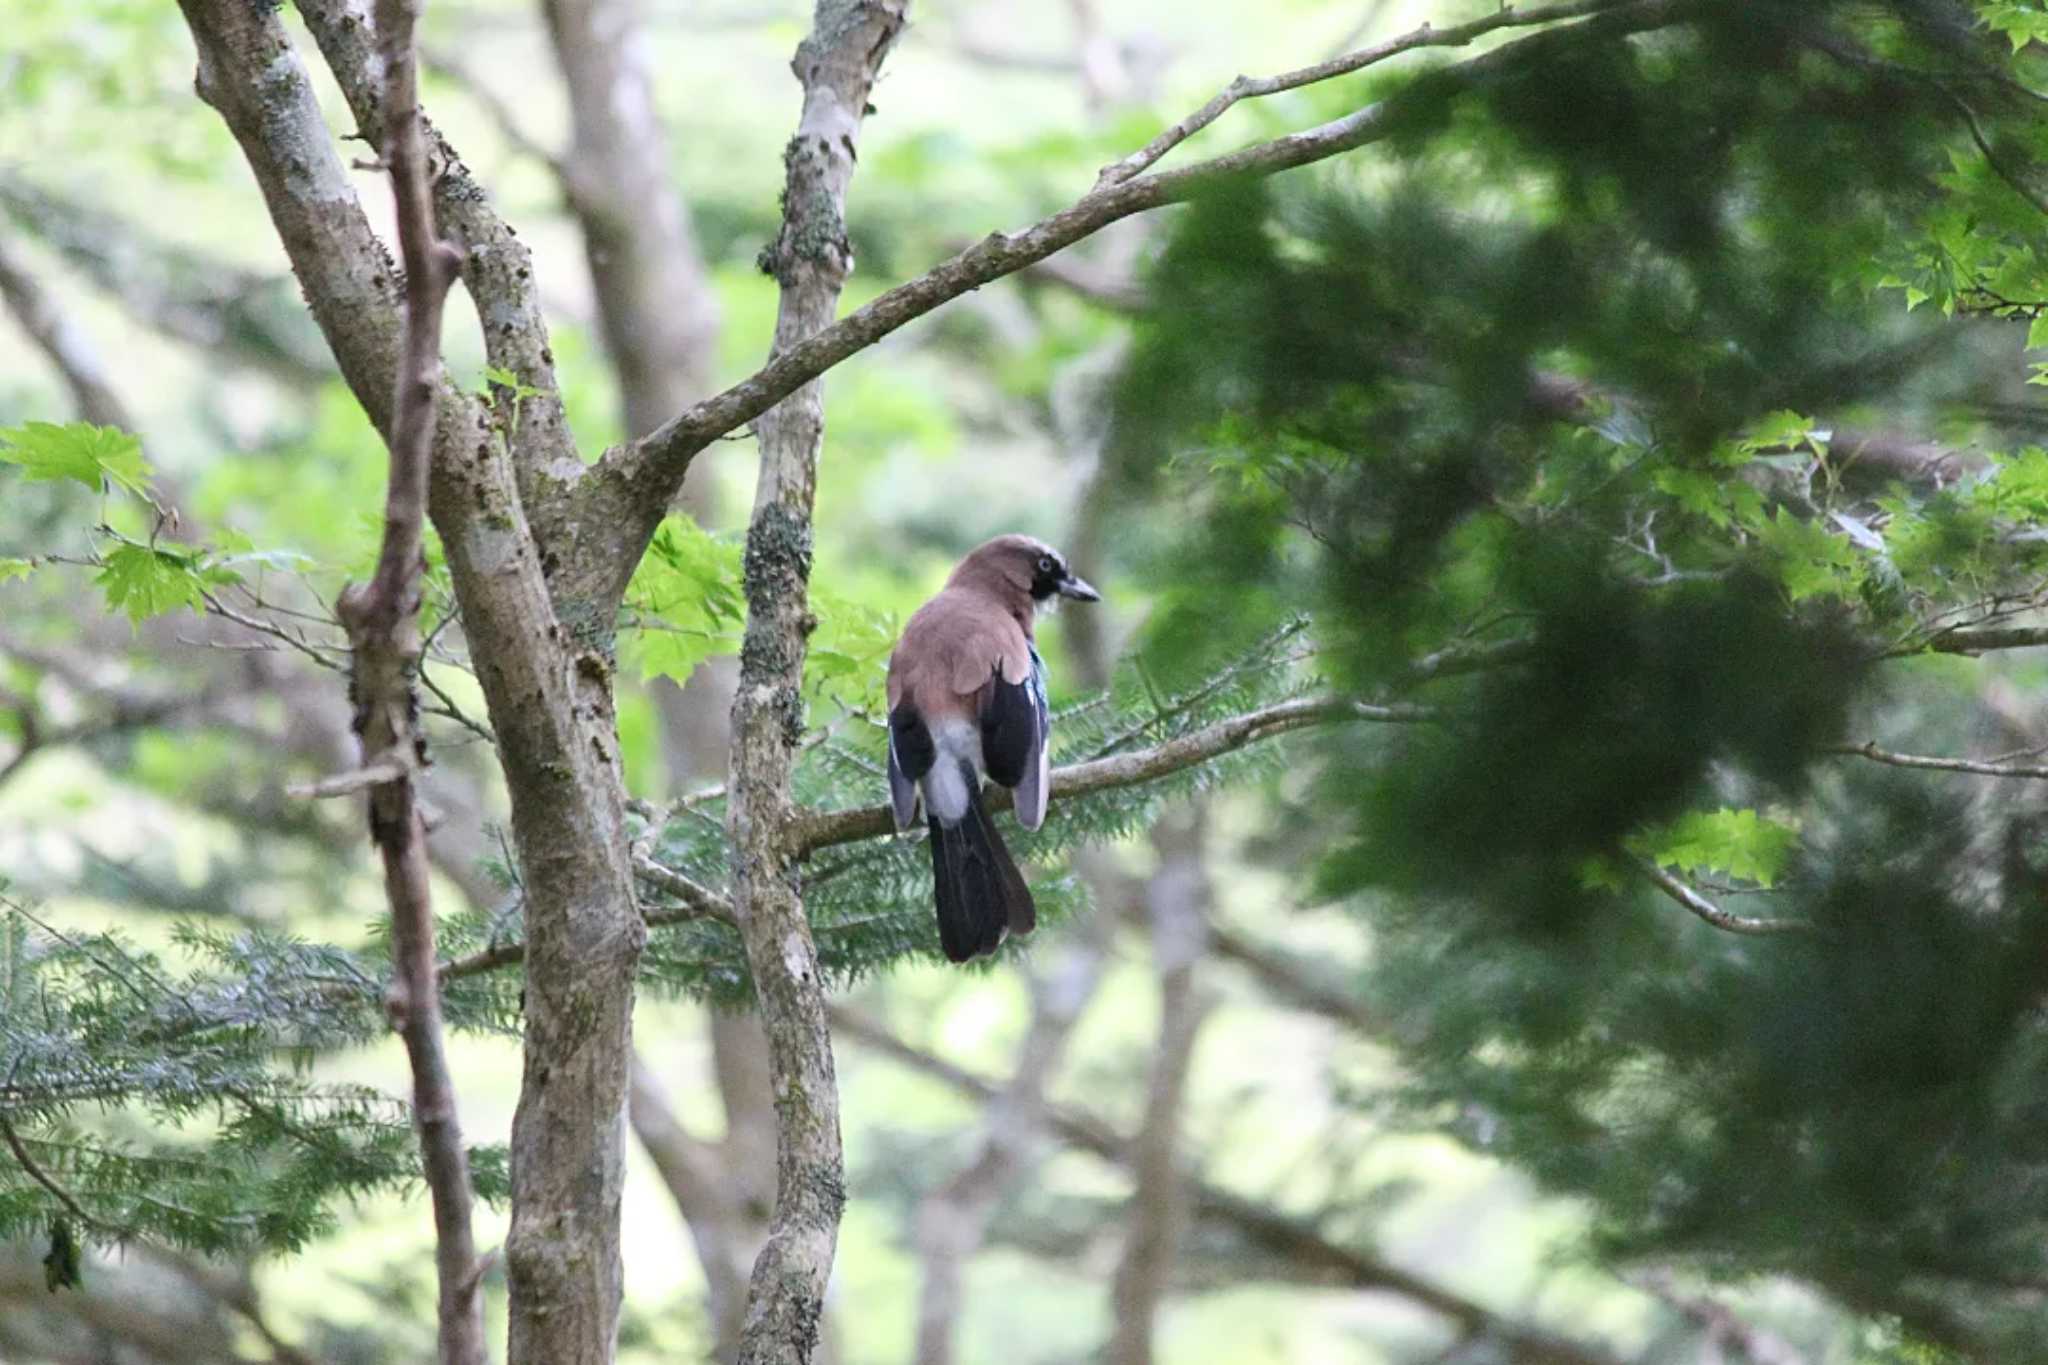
(979, 624)
(967, 699)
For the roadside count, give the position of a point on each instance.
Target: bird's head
(1027, 565)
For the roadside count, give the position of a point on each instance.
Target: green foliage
(150, 580)
(96, 457)
(1543, 425)
(96, 1034)
(686, 600)
(686, 604)
(1736, 843)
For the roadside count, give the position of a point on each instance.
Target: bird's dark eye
(1045, 564)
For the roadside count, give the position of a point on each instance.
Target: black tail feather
(979, 891)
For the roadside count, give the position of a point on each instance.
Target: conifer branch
(823, 829)
(35, 1172)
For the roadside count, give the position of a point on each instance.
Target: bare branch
(1946, 765)
(1979, 640)
(637, 479)
(382, 618)
(388, 767)
(700, 900)
(1247, 87)
(1712, 913)
(349, 279)
(822, 829)
(498, 271)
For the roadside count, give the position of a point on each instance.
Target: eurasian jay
(967, 697)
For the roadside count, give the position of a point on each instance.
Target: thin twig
(1247, 87)
(1714, 914)
(1976, 767)
(382, 618)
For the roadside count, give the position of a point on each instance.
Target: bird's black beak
(1078, 589)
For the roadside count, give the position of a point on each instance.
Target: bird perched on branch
(967, 697)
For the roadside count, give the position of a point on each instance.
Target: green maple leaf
(149, 580)
(80, 451)
(15, 568)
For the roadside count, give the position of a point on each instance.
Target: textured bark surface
(547, 681)
(382, 618)
(810, 259)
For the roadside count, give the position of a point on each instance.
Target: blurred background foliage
(1644, 433)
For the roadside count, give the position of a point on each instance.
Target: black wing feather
(1010, 731)
(911, 755)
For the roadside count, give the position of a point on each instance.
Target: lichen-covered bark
(809, 258)
(497, 272)
(546, 677)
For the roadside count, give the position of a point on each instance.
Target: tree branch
(68, 350)
(1978, 640)
(814, 830)
(1946, 765)
(640, 477)
(498, 273)
(1712, 913)
(1177, 910)
(1247, 87)
(546, 677)
(1292, 1239)
(382, 618)
(952, 1220)
(810, 259)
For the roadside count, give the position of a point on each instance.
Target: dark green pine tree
(1597, 426)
